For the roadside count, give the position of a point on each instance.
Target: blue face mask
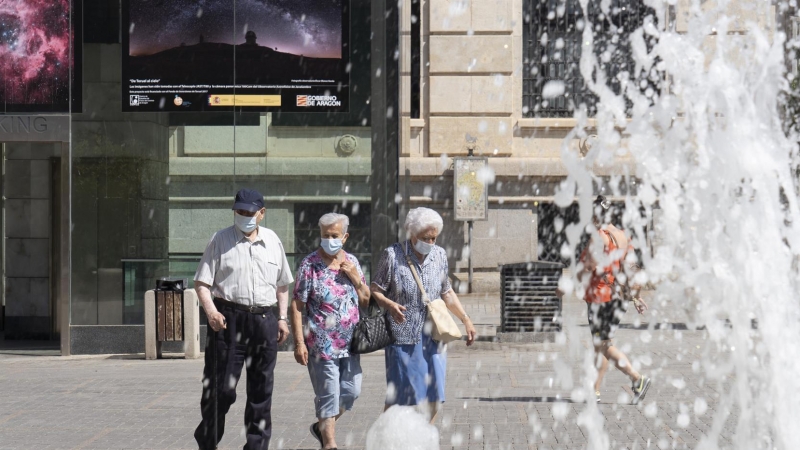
(331, 246)
(423, 247)
(244, 223)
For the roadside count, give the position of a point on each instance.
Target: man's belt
(239, 306)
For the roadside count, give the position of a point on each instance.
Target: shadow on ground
(522, 399)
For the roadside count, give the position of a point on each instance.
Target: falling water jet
(712, 160)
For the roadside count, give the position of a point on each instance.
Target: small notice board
(471, 200)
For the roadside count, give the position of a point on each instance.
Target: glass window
(552, 36)
(149, 189)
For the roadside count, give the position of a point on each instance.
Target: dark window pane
(101, 21)
(552, 36)
(416, 67)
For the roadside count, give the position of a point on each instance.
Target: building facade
(99, 203)
(478, 70)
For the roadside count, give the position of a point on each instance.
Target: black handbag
(373, 331)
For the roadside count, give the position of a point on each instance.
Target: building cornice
(511, 167)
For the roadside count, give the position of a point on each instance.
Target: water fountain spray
(716, 175)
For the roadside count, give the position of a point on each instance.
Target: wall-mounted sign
(470, 189)
(40, 54)
(252, 55)
(20, 128)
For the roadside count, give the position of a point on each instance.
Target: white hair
(334, 218)
(420, 219)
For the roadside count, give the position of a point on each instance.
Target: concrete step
(482, 282)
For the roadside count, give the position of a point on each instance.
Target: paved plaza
(499, 396)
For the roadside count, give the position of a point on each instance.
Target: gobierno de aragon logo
(318, 100)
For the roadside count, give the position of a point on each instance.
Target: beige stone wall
(472, 83)
(467, 65)
(472, 61)
(740, 14)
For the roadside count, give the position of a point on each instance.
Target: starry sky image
(312, 28)
(34, 52)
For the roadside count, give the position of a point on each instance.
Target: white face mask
(244, 223)
(423, 247)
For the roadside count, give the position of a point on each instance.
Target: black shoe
(314, 429)
(639, 389)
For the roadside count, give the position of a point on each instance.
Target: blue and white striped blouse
(394, 277)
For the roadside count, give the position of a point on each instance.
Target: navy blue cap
(248, 200)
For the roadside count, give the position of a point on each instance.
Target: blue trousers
(251, 337)
(336, 383)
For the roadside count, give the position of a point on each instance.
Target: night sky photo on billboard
(301, 27)
(35, 57)
(263, 47)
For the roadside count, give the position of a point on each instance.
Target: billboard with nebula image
(253, 55)
(37, 56)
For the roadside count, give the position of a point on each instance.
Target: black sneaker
(639, 389)
(314, 429)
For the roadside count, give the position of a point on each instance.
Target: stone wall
(119, 190)
(472, 83)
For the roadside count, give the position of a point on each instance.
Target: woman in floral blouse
(329, 287)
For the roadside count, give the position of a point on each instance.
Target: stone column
(120, 168)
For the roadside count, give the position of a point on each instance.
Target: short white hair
(334, 218)
(420, 219)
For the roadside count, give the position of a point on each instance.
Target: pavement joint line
(294, 384)
(97, 436)
(12, 416)
(513, 380)
(80, 385)
(156, 401)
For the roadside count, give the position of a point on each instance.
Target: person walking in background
(330, 287)
(242, 274)
(416, 364)
(604, 299)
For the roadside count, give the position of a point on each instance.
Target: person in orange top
(604, 299)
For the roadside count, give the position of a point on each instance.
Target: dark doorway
(31, 244)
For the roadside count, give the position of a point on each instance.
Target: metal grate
(528, 299)
(552, 34)
(793, 55)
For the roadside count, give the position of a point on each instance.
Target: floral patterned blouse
(331, 306)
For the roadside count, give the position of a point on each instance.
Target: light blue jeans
(336, 382)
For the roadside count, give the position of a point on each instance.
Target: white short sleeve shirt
(245, 272)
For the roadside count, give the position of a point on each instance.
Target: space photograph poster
(38, 56)
(248, 55)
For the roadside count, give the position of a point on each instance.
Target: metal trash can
(169, 309)
(528, 299)
(171, 313)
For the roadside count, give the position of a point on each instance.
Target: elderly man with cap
(242, 274)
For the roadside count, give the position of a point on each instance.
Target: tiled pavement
(500, 396)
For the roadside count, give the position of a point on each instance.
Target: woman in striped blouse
(416, 364)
